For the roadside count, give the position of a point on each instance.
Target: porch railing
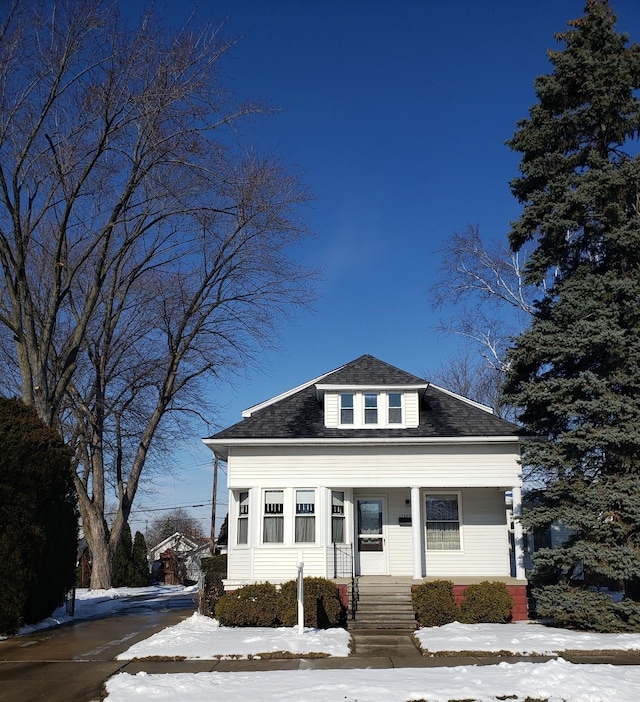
(343, 567)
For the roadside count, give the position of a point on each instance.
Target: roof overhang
(221, 446)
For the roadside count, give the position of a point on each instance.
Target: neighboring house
(370, 468)
(179, 553)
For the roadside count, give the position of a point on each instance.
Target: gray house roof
(299, 415)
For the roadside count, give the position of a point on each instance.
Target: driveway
(70, 663)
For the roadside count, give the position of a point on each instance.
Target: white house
(373, 470)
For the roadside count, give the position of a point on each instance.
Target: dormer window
(370, 408)
(346, 408)
(395, 408)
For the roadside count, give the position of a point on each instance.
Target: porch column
(518, 541)
(416, 533)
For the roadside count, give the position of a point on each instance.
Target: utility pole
(214, 497)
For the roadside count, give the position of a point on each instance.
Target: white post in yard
(300, 594)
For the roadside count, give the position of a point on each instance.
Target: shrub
(486, 602)
(38, 519)
(214, 569)
(578, 608)
(434, 604)
(322, 606)
(251, 605)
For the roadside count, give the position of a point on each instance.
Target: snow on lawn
(203, 637)
(555, 680)
(200, 637)
(520, 638)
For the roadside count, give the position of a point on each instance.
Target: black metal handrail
(343, 567)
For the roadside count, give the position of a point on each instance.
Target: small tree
(122, 563)
(131, 566)
(140, 576)
(38, 519)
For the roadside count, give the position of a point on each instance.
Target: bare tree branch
(146, 253)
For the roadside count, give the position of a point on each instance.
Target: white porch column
(518, 541)
(416, 533)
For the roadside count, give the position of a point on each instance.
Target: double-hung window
(395, 407)
(337, 517)
(243, 518)
(371, 408)
(443, 522)
(346, 408)
(273, 531)
(305, 516)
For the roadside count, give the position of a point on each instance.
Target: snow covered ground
(201, 638)
(555, 681)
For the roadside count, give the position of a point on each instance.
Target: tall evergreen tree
(575, 373)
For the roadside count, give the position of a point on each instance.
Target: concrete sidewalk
(355, 662)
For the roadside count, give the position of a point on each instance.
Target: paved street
(71, 662)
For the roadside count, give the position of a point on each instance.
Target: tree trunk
(98, 538)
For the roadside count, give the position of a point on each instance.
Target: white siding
(398, 544)
(485, 544)
(411, 409)
(436, 465)
(331, 409)
(280, 563)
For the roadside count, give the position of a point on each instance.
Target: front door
(371, 536)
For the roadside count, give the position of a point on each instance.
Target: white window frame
(305, 511)
(382, 409)
(347, 408)
(371, 409)
(391, 407)
(273, 514)
(336, 514)
(458, 495)
(243, 517)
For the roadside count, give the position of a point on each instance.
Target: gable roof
(299, 414)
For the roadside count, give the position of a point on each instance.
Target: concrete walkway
(228, 666)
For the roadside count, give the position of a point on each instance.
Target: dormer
(370, 394)
(370, 406)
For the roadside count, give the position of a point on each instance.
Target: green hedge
(261, 604)
(486, 602)
(434, 604)
(251, 605)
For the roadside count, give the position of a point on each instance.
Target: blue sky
(395, 113)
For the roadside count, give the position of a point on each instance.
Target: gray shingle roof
(368, 370)
(300, 415)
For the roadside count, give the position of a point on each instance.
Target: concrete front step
(384, 606)
(377, 642)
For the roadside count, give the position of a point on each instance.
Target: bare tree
(485, 285)
(467, 374)
(145, 250)
(169, 523)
